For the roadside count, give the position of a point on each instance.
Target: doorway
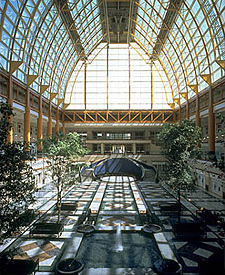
(118, 149)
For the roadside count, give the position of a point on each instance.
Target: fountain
(106, 249)
(69, 266)
(151, 228)
(118, 247)
(85, 228)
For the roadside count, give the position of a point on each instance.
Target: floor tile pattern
(190, 252)
(119, 200)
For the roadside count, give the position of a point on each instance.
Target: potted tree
(61, 153)
(16, 180)
(70, 266)
(180, 144)
(16, 193)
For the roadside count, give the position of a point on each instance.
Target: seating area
(193, 240)
(112, 137)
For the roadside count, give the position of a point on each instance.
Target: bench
(47, 228)
(19, 267)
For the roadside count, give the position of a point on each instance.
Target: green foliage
(180, 144)
(68, 146)
(61, 153)
(16, 180)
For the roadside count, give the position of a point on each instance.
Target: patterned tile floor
(118, 200)
(190, 252)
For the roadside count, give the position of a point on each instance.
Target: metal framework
(67, 19)
(118, 116)
(168, 21)
(44, 41)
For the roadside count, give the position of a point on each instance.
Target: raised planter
(171, 209)
(151, 228)
(46, 228)
(68, 206)
(69, 266)
(189, 230)
(85, 228)
(167, 267)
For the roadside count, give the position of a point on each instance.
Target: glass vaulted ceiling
(183, 41)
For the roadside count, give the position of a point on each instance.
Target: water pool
(139, 251)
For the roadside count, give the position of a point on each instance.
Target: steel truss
(118, 116)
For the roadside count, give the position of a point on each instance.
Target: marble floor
(188, 252)
(113, 201)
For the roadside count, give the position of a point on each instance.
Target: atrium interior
(116, 72)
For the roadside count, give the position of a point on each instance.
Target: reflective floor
(114, 201)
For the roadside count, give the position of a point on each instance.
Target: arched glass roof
(51, 40)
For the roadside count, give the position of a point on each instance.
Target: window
(140, 148)
(139, 135)
(19, 128)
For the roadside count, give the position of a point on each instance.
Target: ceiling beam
(168, 21)
(130, 21)
(117, 20)
(67, 19)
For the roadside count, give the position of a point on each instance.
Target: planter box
(46, 228)
(69, 267)
(68, 206)
(171, 208)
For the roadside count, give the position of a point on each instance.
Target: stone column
(39, 124)
(64, 128)
(197, 113)
(211, 126)
(102, 148)
(49, 125)
(57, 121)
(134, 148)
(27, 119)
(10, 102)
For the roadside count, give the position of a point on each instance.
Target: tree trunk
(179, 206)
(59, 203)
(79, 169)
